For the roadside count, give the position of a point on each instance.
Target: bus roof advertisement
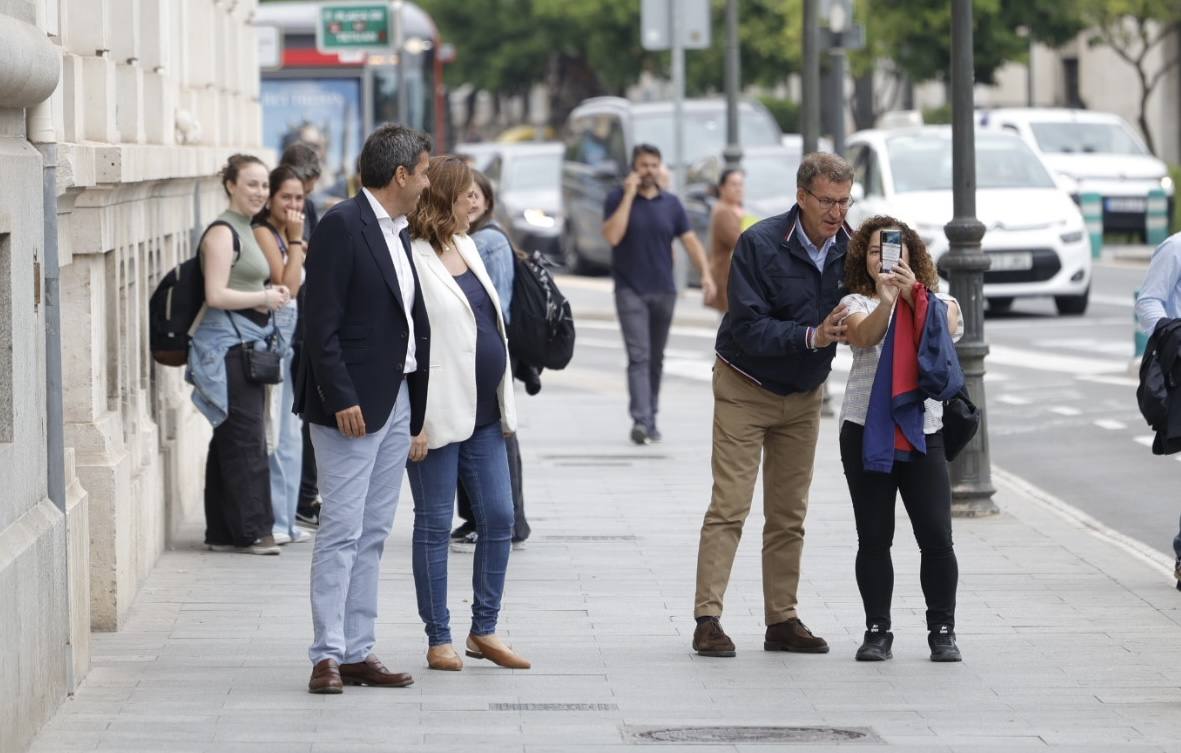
(353, 27)
(323, 112)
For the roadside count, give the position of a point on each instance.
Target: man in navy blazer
(362, 389)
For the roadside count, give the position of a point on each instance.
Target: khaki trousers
(750, 424)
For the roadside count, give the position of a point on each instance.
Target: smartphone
(891, 248)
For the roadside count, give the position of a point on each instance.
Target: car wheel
(1000, 305)
(1073, 305)
(571, 259)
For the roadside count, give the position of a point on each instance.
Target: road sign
(270, 47)
(353, 27)
(656, 24)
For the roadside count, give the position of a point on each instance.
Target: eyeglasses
(827, 203)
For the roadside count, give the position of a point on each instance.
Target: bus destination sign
(353, 27)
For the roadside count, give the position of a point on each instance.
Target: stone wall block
(78, 541)
(160, 100)
(86, 27)
(73, 100)
(126, 29)
(99, 99)
(129, 112)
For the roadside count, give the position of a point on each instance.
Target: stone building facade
(126, 109)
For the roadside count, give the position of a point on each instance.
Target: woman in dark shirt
(469, 412)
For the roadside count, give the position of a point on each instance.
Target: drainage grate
(583, 539)
(553, 707)
(752, 735)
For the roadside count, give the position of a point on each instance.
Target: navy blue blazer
(355, 328)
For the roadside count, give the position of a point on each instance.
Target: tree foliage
(1134, 30)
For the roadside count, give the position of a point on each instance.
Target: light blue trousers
(359, 484)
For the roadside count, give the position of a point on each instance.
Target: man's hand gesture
(350, 422)
(832, 329)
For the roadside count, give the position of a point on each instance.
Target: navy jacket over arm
(355, 329)
(776, 292)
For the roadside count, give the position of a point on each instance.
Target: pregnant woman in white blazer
(469, 412)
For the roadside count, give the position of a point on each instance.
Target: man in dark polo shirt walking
(640, 222)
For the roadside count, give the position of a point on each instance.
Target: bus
(332, 101)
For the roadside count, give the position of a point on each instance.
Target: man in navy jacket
(362, 386)
(774, 351)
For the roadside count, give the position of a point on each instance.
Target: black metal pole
(838, 100)
(733, 151)
(971, 472)
(810, 94)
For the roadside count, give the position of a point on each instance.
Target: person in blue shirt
(1160, 298)
(496, 250)
(641, 221)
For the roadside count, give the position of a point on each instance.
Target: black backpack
(541, 330)
(176, 302)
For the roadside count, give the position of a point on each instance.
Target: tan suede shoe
(444, 657)
(493, 649)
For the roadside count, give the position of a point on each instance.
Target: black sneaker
(308, 516)
(654, 434)
(465, 545)
(640, 434)
(877, 644)
(942, 643)
(463, 530)
(1177, 573)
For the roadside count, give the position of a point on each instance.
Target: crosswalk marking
(1013, 400)
(1064, 410)
(1145, 440)
(1110, 424)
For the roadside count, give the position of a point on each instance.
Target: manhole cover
(752, 735)
(553, 707)
(588, 538)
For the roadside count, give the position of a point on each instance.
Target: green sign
(353, 27)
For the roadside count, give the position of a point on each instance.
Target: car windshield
(704, 132)
(923, 163)
(532, 172)
(770, 177)
(1085, 138)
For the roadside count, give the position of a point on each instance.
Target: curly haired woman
(922, 481)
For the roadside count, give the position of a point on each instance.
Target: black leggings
(926, 494)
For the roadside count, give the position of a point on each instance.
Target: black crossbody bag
(263, 366)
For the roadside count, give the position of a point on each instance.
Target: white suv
(1096, 152)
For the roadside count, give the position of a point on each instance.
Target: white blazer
(451, 394)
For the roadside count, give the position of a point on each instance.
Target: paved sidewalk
(1070, 643)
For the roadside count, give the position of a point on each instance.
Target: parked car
(480, 153)
(1095, 151)
(770, 173)
(1035, 235)
(599, 136)
(527, 177)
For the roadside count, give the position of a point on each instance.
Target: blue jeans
(482, 461)
(287, 459)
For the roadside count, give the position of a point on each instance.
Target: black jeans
(926, 492)
(521, 529)
(237, 476)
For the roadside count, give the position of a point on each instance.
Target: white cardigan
(451, 392)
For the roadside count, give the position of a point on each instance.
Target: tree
(1133, 29)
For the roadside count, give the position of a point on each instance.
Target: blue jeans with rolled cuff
(481, 461)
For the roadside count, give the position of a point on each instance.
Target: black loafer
(876, 646)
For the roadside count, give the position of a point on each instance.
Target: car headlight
(1166, 184)
(1071, 236)
(539, 218)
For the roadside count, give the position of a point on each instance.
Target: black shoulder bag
(263, 366)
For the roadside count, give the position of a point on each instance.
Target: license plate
(1131, 204)
(1011, 261)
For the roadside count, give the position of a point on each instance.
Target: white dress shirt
(391, 227)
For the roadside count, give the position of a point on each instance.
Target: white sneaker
(282, 538)
(300, 536)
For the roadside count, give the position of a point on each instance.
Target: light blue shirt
(817, 255)
(1160, 295)
(497, 254)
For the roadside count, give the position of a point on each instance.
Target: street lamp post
(810, 106)
(971, 472)
(733, 151)
(837, 20)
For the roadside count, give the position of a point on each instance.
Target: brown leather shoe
(793, 635)
(326, 678)
(443, 657)
(373, 673)
(493, 649)
(710, 640)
